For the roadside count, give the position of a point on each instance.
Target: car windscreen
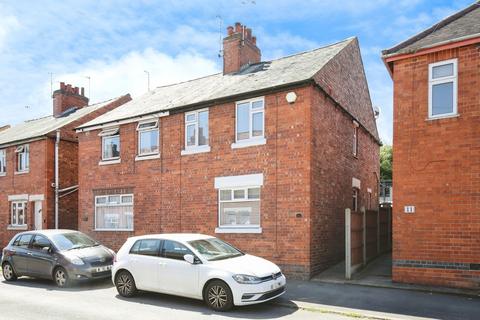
(215, 249)
(72, 240)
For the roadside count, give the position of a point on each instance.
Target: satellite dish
(376, 111)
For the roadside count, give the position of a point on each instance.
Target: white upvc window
(196, 132)
(250, 122)
(3, 161)
(23, 158)
(355, 139)
(18, 213)
(148, 138)
(355, 200)
(110, 144)
(239, 207)
(114, 212)
(442, 89)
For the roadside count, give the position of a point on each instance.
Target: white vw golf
(196, 266)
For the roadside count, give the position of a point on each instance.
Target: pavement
(305, 300)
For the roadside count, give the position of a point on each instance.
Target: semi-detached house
(39, 160)
(266, 155)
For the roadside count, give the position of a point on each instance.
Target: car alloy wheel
(218, 296)
(8, 272)
(125, 284)
(61, 277)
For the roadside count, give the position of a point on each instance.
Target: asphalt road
(27, 299)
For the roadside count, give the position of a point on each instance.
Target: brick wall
(333, 167)
(437, 169)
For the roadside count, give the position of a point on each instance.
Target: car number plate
(102, 269)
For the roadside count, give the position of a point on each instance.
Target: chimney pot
(77, 90)
(62, 85)
(248, 33)
(254, 40)
(229, 30)
(238, 27)
(82, 90)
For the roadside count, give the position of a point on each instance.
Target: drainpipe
(57, 142)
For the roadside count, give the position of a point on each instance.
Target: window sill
(22, 172)
(108, 162)
(194, 150)
(238, 230)
(147, 157)
(3, 174)
(17, 227)
(113, 230)
(249, 143)
(449, 116)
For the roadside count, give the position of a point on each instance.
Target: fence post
(364, 236)
(378, 232)
(348, 244)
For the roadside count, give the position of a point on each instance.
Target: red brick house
(27, 165)
(266, 155)
(436, 212)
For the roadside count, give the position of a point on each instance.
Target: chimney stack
(67, 97)
(239, 48)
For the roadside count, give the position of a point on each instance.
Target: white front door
(38, 215)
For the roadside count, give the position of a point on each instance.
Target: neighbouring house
(28, 165)
(436, 137)
(266, 155)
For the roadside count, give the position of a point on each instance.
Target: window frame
(22, 157)
(109, 204)
(244, 199)
(355, 139)
(251, 111)
(162, 250)
(109, 134)
(3, 162)
(155, 127)
(196, 122)
(447, 79)
(25, 213)
(355, 193)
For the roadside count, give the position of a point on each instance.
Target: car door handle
(29, 253)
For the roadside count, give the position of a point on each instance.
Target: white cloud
(8, 24)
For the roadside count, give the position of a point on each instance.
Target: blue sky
(113, 42)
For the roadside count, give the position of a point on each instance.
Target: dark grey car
(61, 255)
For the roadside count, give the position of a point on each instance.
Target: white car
(196, 266)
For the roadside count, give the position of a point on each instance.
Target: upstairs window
(442, 94)
(23, 158)
(196, 129)
(3, 161)
(110, 144)
(250, 120)
(148, 138)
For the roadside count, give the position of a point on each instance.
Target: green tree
(386, 160)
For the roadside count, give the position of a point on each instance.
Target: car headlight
(246, 279)
(76, 261)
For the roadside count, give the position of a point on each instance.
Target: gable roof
(40, 127)
(286, 71)
(462, 25)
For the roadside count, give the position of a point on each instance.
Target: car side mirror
(189, 258)
(47, 249)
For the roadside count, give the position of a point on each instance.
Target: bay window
(114, 212)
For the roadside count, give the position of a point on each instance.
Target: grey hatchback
(61, 255)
